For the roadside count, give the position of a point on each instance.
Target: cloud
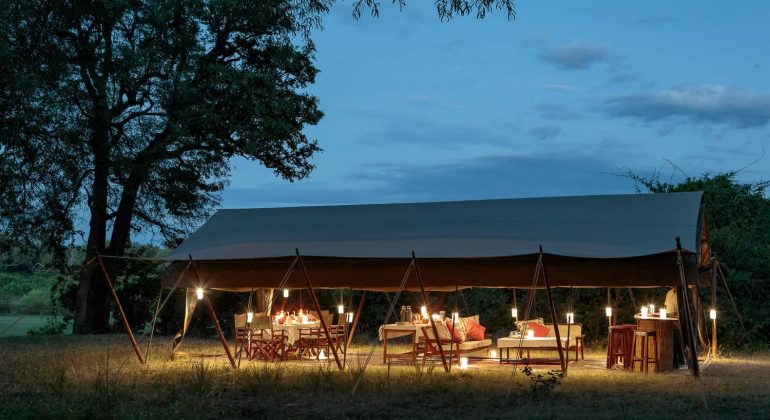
(545, 132)
(493, 176)
(578, 55)
(712, 104)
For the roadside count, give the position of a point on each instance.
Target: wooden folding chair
(265, 343)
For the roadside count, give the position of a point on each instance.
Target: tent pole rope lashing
(120, 310)
(391, 310)
(555, 320)
(432, 321)
(161, 306)
(730, 295)
(317, 305)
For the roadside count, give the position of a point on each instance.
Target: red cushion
(540, 330)
(456, 337)
(474, 331)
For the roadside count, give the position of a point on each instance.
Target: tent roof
(604, 226)
(605, 240)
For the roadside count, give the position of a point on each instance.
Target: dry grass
(98, 377)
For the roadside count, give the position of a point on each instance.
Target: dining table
(388, 332)
(292, 330)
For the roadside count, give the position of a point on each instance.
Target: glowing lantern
(455, 316)
(322, 355)
(570, 318)
(608, 311)
(285, 293)
(463, 363)
(340, 309)
(662, 313)
(493, 354)
(199, 292)
(350, 316)
(514, 313)
(713, 314)
(530, 333)
(249, 317)
(424, 311)
(644, 312)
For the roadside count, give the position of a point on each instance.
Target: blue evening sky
(557, 102)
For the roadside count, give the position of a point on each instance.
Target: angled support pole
(713, 307)
(552, 308)
(685, 317)
(357, 317)
(432, 321)
(161, 305)
(120, 309)
(318, 308)
(214, 318)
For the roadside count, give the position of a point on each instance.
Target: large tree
(122, 116)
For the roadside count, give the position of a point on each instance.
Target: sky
(561, 101)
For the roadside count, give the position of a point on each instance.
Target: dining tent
(589, 241)
(634, 240)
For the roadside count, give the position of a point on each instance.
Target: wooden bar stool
(645, 338)
(619, 345)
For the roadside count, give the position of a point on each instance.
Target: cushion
(521, 326)
(472, 345)
(443, 331)
(462, 326)
(475, 331)
(455, 331)
(540, 330)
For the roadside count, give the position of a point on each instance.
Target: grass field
(18, 325)
(98, 377)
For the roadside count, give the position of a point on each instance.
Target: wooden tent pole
(126, 326)
(318, 308)
(552, 307)
(713, 307)
(685, 318)
(214, 318)
(357, 317)
(432, 321)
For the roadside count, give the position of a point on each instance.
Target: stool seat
(645, 338)
(619, 345)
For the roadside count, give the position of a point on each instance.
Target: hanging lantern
(249, 317)
(644, 312)
(340, 309)
(350, 317)
(570, 318)
(285, 293)
(514, 313)
(608, 311)
(713, 314)
(199, 292)
(663, 313)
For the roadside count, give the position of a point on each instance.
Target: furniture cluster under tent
(611, 241)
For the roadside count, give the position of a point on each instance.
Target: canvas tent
(589, 241)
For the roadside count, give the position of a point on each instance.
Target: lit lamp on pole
(608, 313)
(285, 293)
(570, 317)
(199, 293)
(713, 314)
(514, 313)
(249, 317)
(340, 309)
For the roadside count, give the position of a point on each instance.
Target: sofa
(572, 338)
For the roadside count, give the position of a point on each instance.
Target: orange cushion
(474, 330)
(540, 330)
(456, 336)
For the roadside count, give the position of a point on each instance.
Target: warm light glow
(285, 293)
(713, 314)
(662, 313)
(493, 354)
(304, 319)
(455, 316)
(514, 313)
(463, 363)
(436, 317)
(199, 292)
(570, 318)
(340, 309)
(608, 311)
(424, 311)
(530, 333)
(249, 317)
(644, 312)
(350, 316)
(652, 308)
(322, 355)
(278, 316)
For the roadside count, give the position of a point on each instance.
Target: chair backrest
(240, 320)
(342, 320)
(262, 322)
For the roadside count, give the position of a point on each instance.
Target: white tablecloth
(292, 331)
